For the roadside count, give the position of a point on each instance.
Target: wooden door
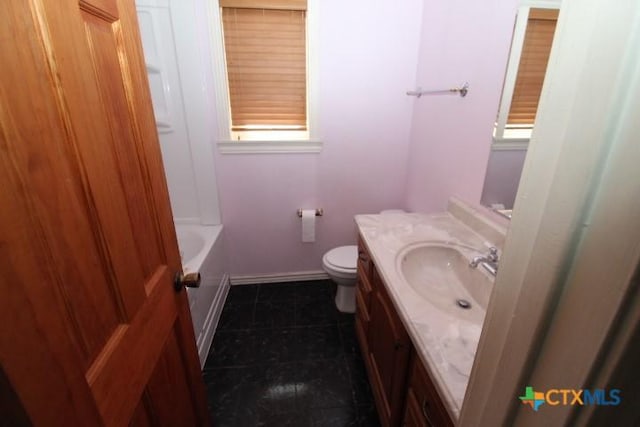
(91, 330)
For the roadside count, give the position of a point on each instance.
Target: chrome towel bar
(460, 90)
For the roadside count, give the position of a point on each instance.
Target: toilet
(341, 264)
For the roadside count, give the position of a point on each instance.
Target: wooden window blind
(536, 48)
(265, 47)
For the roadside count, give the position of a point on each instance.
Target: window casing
(530, 50)
(243, 110)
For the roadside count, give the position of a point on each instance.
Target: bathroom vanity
(417, 343)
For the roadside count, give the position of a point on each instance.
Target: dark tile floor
(284, 356)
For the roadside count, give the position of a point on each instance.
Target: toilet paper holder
(319, 212)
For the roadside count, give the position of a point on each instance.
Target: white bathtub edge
(206, 302)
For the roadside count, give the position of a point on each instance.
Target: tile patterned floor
(284, 356)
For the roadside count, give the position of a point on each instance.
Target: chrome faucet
(489, 262)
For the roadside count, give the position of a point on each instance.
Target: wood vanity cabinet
(403, 392)
(384, 342)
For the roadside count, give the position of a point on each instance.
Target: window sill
(269, 147)
(506, 144)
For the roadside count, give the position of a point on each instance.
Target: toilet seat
(343, 259)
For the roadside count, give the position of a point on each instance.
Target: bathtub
(201, 249)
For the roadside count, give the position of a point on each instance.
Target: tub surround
(446, 343)
(176, 74)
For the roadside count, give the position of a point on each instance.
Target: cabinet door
(423, 401)
(362, 322)
(363, 296)
(365, 264)
(389, 349)
(412, 415)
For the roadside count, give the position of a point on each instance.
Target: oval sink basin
(440, 273)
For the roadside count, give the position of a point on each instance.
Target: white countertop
(445, 342)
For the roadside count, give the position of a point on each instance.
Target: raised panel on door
(111, 67)
(93, 332)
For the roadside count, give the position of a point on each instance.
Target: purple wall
(451, 136)
(382, 149)
(368, 58)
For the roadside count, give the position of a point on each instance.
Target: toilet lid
(343, 257)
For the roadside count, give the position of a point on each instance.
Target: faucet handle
(493, 254)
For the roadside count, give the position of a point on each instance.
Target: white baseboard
(211, 322)
(298, 276)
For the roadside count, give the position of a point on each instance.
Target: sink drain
(463, 303)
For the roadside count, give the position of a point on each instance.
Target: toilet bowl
(341, 265)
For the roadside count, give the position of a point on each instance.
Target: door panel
(166, 385)
(118, 376)
(91, 329)
(105, 41)
(142, 416)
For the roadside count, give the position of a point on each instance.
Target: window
(265, 46)
(530, 50)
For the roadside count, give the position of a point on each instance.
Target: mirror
(530, 49)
